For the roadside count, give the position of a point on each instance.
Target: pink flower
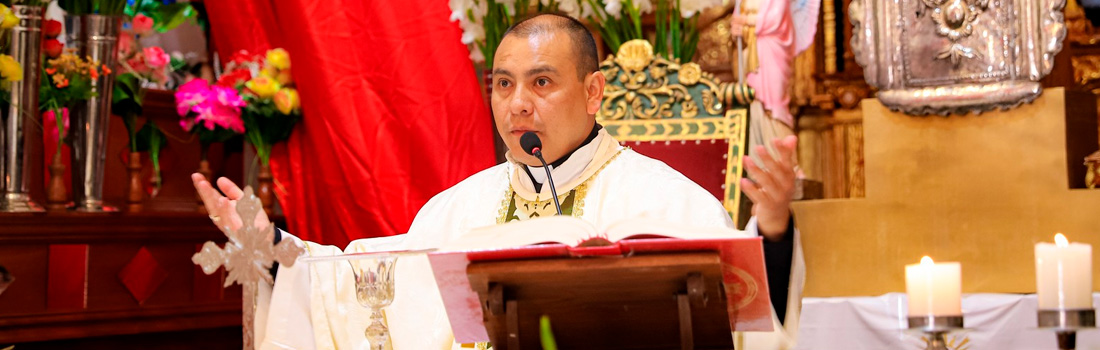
(137, 63)
(156, 58)
(50, 118)
(190, 94)
(227, 97)
(125, 44)
(142, 24)
(211, 115)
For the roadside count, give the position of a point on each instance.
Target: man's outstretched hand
(223, 209)
(772, 187)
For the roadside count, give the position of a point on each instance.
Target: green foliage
(151, 139)
(264, 125)
(497, 21)
(93, 7)
(165, 17)
(546, 335)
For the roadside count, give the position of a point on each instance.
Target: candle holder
(1065, 323)
(936, 327)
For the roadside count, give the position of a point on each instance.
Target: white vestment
(313, 306)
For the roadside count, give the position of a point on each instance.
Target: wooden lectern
(662, 301)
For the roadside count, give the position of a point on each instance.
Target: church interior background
(881, 187)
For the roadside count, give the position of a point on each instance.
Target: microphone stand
(549, 179)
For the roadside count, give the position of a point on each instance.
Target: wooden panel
(28, 264)
(68, 280)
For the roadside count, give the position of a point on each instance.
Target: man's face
(536, 87)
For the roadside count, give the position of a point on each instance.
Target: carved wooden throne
(678, 114)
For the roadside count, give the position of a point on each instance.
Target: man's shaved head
(584, 46)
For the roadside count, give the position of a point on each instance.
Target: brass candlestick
(936, 327)
(1065, 323)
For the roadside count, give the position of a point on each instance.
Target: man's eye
(543, 82)
(504, 83)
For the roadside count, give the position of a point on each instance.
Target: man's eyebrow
(501, 71)
(542, 69)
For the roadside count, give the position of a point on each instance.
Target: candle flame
(1061, 241)
(925, 261)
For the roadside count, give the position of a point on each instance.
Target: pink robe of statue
(775, 50)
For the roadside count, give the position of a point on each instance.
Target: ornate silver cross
(247, 257)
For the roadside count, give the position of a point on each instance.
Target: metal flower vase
(26, 43)
(95, 37)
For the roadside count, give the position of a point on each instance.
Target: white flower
(476, 56)
(459, 9)
(614, 8)
(472, 32)
(644, 6)
(586, 10)
(570, 7)
(689, 8)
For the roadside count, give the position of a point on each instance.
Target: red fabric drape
(393, 114)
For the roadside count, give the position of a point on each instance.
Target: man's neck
(557, 163)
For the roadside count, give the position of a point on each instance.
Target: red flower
(52, 28)
(234, 78)
(52, 47)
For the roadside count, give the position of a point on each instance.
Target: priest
(546, 80)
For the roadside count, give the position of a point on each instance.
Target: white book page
(560, 229)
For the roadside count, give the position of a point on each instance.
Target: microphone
(533, 146)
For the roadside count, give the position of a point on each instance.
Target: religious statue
(774, 32)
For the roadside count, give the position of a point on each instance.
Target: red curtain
(393, 113)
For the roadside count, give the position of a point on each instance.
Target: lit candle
(935, 289)
(1063, 274)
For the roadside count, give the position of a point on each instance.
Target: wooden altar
(122, 280)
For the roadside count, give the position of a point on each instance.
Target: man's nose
(521, 104)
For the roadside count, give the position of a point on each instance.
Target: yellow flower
(286, 100)
(263, 86)
(284, 77)
(10, 69)
(9, 18)
(278, 58)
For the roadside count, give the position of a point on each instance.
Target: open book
(743, 273)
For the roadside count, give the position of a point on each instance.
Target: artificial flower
(284, 77)
(278, 58)
(51, 28)
(125, 44)
(142, 24)
(10, 69)
(263, 86)
(211, 115)
(286, 100)
(190, 94)
(156, 58)
(232, 78)
(53, 48)
(9, 18)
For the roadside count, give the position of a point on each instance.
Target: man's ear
(593, 86)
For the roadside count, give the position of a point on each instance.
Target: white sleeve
(282, 311)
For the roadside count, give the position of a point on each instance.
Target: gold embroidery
(572, 202)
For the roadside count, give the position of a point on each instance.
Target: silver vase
(26, 43)
(95, 37)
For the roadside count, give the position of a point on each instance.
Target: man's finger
(762, 182)
(208, 194)
(786, 149)
(778, 173)
(231, 190)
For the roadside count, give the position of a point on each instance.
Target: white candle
(1063, 274)
(934, 289)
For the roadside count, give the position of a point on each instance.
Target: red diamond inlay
(142, 275)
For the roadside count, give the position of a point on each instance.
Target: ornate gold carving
(1092, 177)
(1086, 69)
(669, 101)
(634, 55)
(689, 73)
(954, 19)
(828, 13)
(1079, 29)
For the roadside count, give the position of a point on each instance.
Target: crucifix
(247, 257)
